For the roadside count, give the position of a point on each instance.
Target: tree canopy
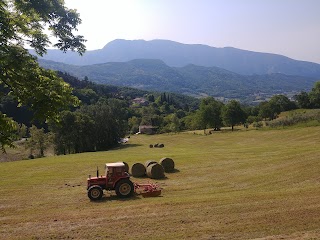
(233, 114)
(23, 23)
(276, 105)
(210, 113)
(314, 95)
(95, 127)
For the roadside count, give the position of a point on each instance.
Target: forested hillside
(155, 75)
(108, 113)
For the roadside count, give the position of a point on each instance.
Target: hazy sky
(286, 27)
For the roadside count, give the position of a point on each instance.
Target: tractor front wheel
(124, 188)
(95, 193)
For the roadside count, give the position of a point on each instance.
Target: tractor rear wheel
(124, 188)
(95, 193)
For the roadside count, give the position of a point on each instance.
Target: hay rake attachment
(147, 189)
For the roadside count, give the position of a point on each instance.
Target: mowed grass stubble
(234, 185)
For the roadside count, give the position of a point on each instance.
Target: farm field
(228, 185)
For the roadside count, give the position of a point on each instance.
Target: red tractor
(116, 178)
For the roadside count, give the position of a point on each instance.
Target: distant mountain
(176, 54)
(155, 75)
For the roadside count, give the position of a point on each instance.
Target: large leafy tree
(24, 23)
(303, 100)
(109, 122)
(74, 133)
(95, 127)
(281, 103)
(210, 113)
(276, 105)
(314, 95)
(233, 114)
(266, 111)
(172, 123)
(39, 141)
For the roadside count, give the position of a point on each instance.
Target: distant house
(147, 129)
(140, 101)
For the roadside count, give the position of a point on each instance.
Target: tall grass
(297, 118)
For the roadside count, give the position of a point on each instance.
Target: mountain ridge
(176, 54)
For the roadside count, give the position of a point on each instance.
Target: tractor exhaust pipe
(97, 172)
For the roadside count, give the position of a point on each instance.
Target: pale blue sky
(286, 27)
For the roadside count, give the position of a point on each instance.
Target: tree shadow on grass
(124, 146)
(224, 130)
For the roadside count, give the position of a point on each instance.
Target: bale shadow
(174, 171)
(151, 179)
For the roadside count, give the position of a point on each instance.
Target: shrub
(258, 124)
(296, 118)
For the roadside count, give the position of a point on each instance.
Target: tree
(151, 98)
(210, 113)
(7, 131)
(314, 95)
(74, 133)
(22, 131)
(281, 103)
(233, 114)
(303, 100)
(133, 124)
(172, 123)
(110, 122)
(266, 111)
(276, 105)
(21, 24)
(192, 121)
(86, 95)
(39, 141)
(8, 106)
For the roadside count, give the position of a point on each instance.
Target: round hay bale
(147, 163)
(138, 170)
(167, 164)
(126, 165)
(161, 145)
(155, 171)
(150, 146)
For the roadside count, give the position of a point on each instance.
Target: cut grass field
(233, 185)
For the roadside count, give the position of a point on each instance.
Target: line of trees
(101, 120)
(210, 114)
(215, 114)
(95, 127)
(309, 100)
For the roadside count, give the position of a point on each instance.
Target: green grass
(228, 185)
